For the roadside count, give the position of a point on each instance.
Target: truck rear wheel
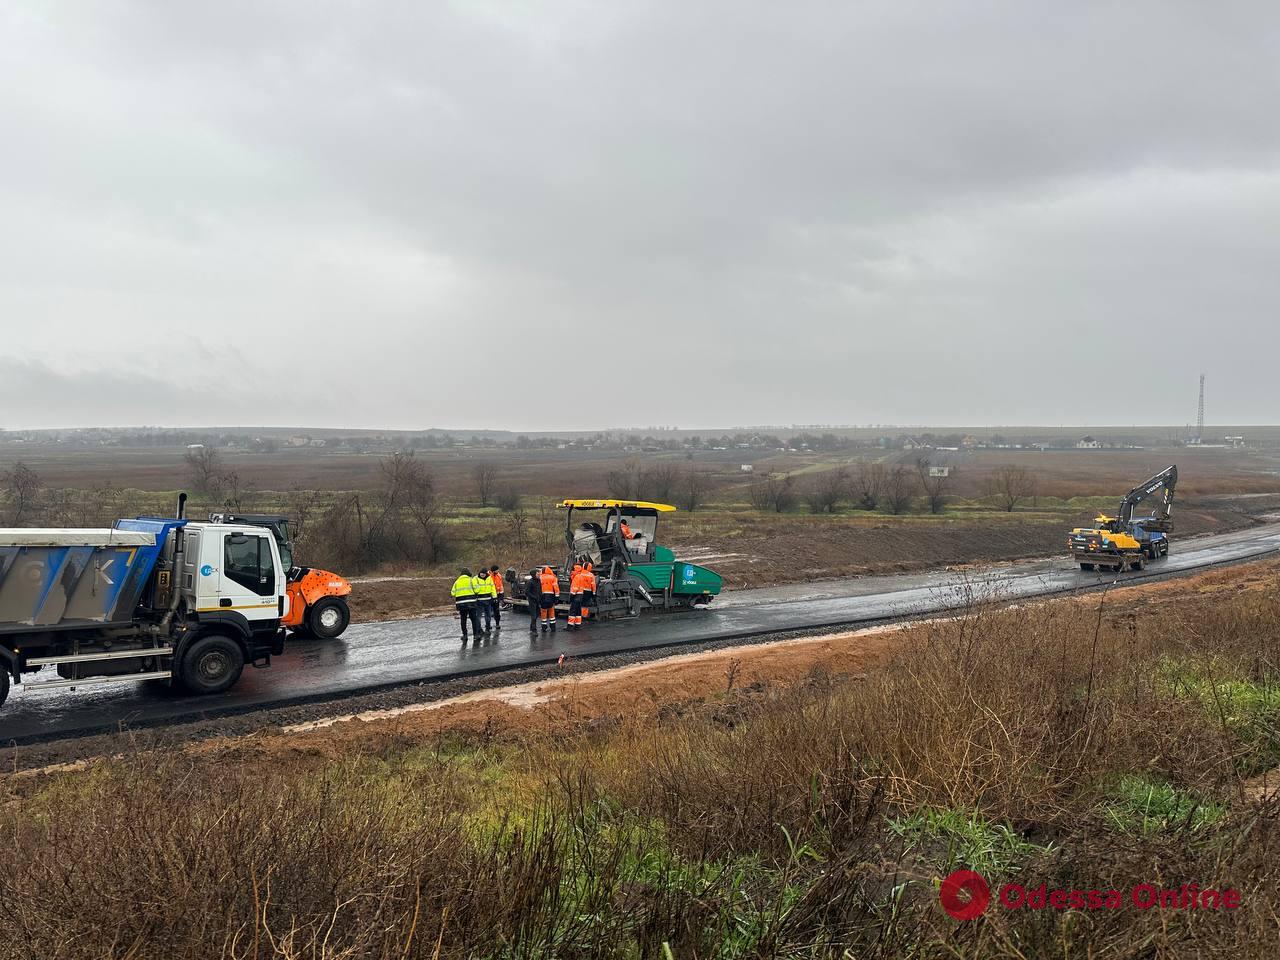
(212, 664)
(328, 618)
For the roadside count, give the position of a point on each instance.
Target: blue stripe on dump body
(68, 586)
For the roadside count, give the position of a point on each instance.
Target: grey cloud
(874, 212)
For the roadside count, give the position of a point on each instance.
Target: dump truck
(1125, 541)
(149, 598)
(633, 574)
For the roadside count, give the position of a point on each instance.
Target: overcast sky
(586, 214)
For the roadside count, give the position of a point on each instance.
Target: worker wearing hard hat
(575, 598)
(550, 585)
(463, 592)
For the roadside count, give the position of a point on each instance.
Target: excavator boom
(1163, 483)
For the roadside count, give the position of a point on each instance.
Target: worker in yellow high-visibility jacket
(485, 596)
(464, 596)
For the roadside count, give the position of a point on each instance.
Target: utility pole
(1200, 413)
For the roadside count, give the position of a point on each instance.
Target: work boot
(464, 639)
(553, 626)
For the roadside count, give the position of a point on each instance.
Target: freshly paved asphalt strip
(393, 653)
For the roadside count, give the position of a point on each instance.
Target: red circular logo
(965, 895)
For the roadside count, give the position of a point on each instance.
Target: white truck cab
(233, 569)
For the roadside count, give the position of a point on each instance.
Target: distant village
(651, 440)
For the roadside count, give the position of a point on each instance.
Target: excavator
(1124, 541)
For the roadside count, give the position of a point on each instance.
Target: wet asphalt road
(392, 653)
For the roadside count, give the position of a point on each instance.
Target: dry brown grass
(757, 822)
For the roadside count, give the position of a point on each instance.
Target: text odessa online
(1144, 896)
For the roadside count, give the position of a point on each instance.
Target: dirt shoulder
(558, 704)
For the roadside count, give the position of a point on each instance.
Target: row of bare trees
(688, 487)
(26, 501)
(870, 486)
(888, 487)
(401, 519)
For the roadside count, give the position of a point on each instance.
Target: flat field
(729, 531)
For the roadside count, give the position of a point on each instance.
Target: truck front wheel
(328, 618)
(4, 684)
(212, 664)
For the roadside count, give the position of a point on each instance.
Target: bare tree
(1011, 484)
(238, 493)
(424, 509)
(692, 489)
(936, 482)
(204, 469)
(775, 494)
(827, 490)
(22, 492)
(485, 477)
(301, 505)
(519, 524)
(895, 494)
(400, 520)
(624, 483)
(868, 485)
(101, 505)
(546, 522)
(658, 482)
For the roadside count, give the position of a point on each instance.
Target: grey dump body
(137, 602)
(68, 579)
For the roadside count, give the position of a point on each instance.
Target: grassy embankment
(1069, 743)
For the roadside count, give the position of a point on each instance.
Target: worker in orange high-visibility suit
(588, 593)
(626, 530)
(550, 584)
(500, 591)
(575, 598)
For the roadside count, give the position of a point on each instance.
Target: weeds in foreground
(961, 838)
(1139, 804)
(1047, 742)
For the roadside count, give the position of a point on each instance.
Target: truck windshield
(284, 542)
